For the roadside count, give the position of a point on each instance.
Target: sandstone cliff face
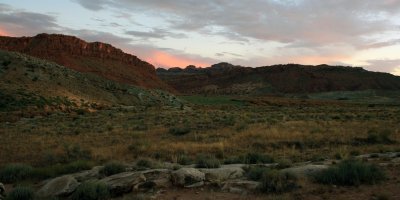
(98, 58)
(290, 78)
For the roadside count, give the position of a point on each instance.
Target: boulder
(2, 191)
(305, 170)
(187, 176)
(155, 179)
(122, 183)
(87, 175)
(224, 173)
(240, 186)
(59, 187)
(195, 185)
(2, 188)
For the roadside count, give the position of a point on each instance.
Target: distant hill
(225, 78)
(96, 58)
(29, 83)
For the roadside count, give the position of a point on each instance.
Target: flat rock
(92, 174)
(218, 175)
(305, 170)
(187, 176)
(240, 186)
(122, 183)
(379, 155)
(155, 179)
(59, 187)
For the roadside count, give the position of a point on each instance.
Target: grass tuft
(351, 172)
(21, 193)
(112, 168)
(91, 191)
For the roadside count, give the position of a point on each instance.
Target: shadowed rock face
(225, 78)
(97, 58)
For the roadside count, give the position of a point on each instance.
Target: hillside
(224, 78)
(28, 83)
(96, 58)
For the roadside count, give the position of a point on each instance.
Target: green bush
(91, 191)
(207, 162)
(257, 158)
(351, 172)
(255, 173)
(250, 158)
(112, 168)
(144, 164)
(60, 169)
(15, 172)
(274, 181)
(178, 131)
(74, 152)
(375, 137)
(21, 193)
(184, 160)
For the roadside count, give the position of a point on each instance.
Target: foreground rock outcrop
(59, 187)
(230, 178)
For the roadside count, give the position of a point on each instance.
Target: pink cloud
(164, 59)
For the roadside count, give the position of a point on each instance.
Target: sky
(177, 33)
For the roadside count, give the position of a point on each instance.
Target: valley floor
(226, 129)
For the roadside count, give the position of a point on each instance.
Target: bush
(382, 137)
(178, 131)
(255, 173)
(250, 158)
(207, 162)
(112, 168)
(184, 160)
(257, 158)
(351, 172)
(75, 152)
(21, 193)
(60, 169)
(15, 172)
(91, 191)
(274, 181)
(144, 164)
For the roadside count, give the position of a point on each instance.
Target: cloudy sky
(169, 33)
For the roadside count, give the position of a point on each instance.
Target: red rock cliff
(98, 58)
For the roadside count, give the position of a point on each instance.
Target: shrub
(60, 169)
(144, 163)
(256, 158)
(351, 172)
(382, 137)
(15, 172)
(250, 158)
(184, 160)
(207, 162)
(274, 181)
(91, 191)
(284, 163)
(255, 173)
(75, 152)
(112, 168)
(178, 131)
(21, 193)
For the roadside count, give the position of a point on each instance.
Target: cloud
(302, 23)
(23, 23)
(386, 65)
(94, 5)
(155, 33)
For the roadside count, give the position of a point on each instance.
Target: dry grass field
(222, 127)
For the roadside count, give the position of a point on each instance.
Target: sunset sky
(177, 33)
